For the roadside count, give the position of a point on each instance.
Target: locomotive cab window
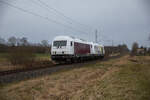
(60, 43)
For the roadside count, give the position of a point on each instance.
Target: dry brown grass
(111, 80)
(40, 61)
(6, 65)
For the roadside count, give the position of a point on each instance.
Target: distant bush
(21, 56)
(135, 47)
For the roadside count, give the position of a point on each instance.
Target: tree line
(122, 49)
(137, 50)
(13, 42)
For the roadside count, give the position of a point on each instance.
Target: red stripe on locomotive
(81, 49)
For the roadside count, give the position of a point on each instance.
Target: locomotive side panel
(81, 49)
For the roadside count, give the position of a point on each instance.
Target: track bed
(24, 74)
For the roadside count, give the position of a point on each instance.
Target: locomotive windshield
(60, 43)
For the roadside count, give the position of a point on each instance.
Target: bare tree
(18, 42)
(24, 41)
(148, 51)
(135, 46)
(149, 38)
(12, 41)
(2, 41)
(45, 43)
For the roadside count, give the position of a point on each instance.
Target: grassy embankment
(126, 78)
(6, 65)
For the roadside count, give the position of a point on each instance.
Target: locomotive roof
(70, 38)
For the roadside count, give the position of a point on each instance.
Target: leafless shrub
(21, 56)
(148, 51)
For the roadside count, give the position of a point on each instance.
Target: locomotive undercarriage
(74, 58)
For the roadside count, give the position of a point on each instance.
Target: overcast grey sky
(123, 21)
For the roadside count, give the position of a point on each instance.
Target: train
(70, 49)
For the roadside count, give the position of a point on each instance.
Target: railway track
(23, 74)
(3, 73)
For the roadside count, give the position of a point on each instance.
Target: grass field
(126, 78)
(46, 56)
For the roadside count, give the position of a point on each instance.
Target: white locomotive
(66, 48)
